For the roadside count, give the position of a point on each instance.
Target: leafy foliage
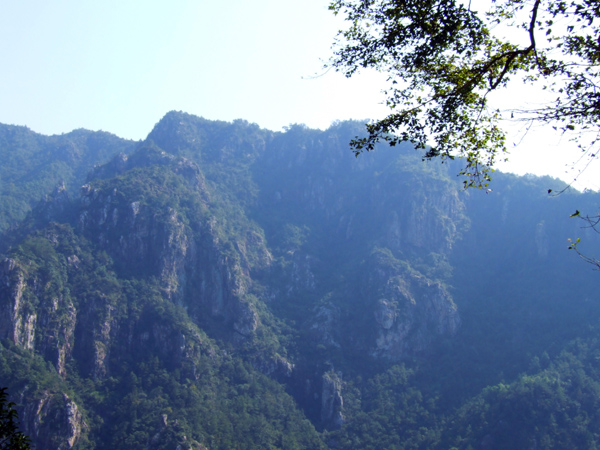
(553, 408)
(443, 59)
(10, 436)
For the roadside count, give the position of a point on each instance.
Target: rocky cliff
(223, 279)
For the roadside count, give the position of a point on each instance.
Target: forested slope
(33, 165)
(222, 286)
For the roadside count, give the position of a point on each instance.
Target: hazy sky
(119, 66)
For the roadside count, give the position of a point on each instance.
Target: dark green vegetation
(228, 287)
(10, 436)
(33, 165)
(444, 59)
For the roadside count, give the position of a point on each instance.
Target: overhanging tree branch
(443, 60)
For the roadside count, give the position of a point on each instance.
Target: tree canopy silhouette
(10, 436)
(443, 59)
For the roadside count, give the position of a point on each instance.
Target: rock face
(53, 423)
(326, 322)
(17, 322)
(195, 266)
(422, 221)
(396, 310)
(96, 331)
(55, 206)
(277, 367)
(411, 314)
(156, 240)
(36, 316)
(332, 402)
(251, 236)
(409, 310)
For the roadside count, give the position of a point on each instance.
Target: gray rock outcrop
(332, 402)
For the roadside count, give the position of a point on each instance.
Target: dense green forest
(33, 165)
(221, 286)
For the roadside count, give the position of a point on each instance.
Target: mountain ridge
(219, 279)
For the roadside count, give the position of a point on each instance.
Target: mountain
(33, 165)
(223, 286)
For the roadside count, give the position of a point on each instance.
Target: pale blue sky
(119, 66)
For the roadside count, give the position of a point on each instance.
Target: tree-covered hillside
(33, 165)
(221, 286)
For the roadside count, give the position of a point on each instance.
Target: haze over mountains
(221, 286)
